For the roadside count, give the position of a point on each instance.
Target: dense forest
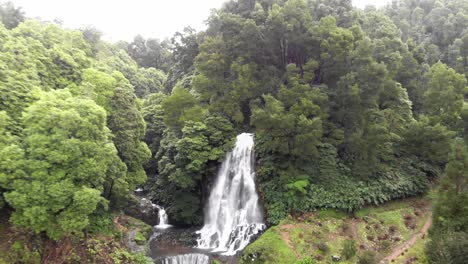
(349, 107)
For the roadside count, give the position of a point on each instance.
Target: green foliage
(449, 231)
(128, 126)
(150, 53)
(323, 247)
(450, 247)
(66, 162)
(140, 239)
(451, 207)
(181, 106)
(444, 96)
(348, 108)
(344, 104)
(270, 249)
(308, 260)
(11, 154)
(367, 257)
(426, 142)
(349, 248)
(329, 213)
(20, 253)
(101, 224)
(122, 256)
(187, 162)
(148, 81)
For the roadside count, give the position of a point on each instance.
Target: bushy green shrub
(307, 260)
(123, 256)
(448, 248)
(323, 247)
(20, 253)
(140, 239)
(349, 249)
(367, 257)
(101, 224)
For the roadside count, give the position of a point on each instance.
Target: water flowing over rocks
(233, 215)
(187, 259)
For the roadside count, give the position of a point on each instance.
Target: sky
(123, 19)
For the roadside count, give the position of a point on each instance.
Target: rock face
(177, 237)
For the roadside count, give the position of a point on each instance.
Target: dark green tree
(449, 234)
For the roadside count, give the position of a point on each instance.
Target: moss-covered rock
(139, 238)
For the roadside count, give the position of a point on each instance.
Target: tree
(180, 107)
(128, 127)
(147, 81)
(292, 122)
(16, 93)
(150, 53)
(11, 155)
(153, 114)
(185, 49)
(444, 96)
(67, 159)
(427, 142)
(449, 232)
(10, 15)
(114, 93)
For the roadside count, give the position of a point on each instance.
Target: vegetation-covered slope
(324, 234)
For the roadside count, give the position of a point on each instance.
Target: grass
(330, 213)
(271, 248)
(375, 228)
(415, 253)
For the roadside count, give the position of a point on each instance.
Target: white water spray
(163, 222)
(187, 259)
(233, 214)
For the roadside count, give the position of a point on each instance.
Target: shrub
(385, 245)
(20, 253)
(349, 249)
(308, 260)
(101, 224)
(140, 238)
(323, 247)
(449, 247)
(367, 257)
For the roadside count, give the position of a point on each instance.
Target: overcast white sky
(123, 19)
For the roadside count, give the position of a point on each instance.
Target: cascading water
(233, 214)
(163, 222)
(187, 259)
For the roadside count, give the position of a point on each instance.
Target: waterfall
(187, 259)
(163, 222)
(233, 214)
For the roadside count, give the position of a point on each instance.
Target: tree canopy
(348, 107)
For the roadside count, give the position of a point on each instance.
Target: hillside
(107, 242)
(323, 234)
